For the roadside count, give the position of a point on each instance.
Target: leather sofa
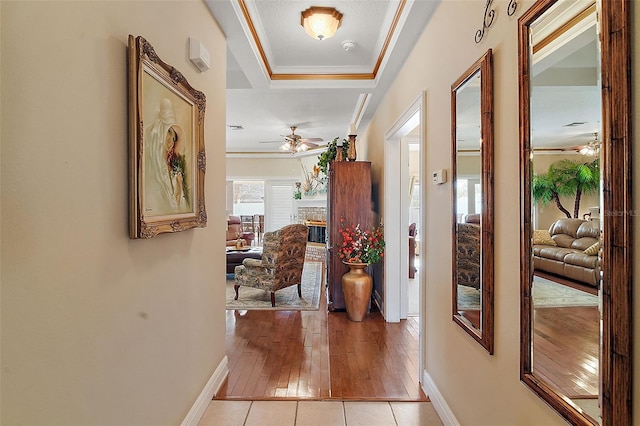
(234, 231)
(572, 251)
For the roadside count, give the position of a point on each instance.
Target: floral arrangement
(361, 246)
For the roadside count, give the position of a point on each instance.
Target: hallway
(320, 355)
(319, 368)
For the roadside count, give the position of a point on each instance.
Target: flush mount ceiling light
(321, 23)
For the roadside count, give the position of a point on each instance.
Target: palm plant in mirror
(566, 178)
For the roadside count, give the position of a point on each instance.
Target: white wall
(263, 168)
(97, 328)
(479, 388)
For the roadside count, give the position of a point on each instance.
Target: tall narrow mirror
(472, 200)
(575, 270)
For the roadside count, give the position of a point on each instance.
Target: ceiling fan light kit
(321, 23)
(592, 148)
(294, 143)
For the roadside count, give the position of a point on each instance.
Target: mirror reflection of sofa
(569, 249)
(468, 251)
(235, 232)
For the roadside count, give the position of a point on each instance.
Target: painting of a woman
(166, 168)
(167, 158)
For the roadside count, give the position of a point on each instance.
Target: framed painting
(167, 160)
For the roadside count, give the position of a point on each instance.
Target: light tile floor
(325, 413)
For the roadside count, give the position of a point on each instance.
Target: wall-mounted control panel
(439, 176)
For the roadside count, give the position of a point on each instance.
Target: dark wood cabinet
(349, 197)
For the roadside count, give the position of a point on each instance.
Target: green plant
(566, 178)
(330, 154)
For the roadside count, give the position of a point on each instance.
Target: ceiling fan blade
(312, 140)
(270, 141)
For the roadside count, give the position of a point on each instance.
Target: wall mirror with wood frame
(472, 200)
(574, 69)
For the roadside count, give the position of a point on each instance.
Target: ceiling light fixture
(592, 148)
(293, 147)
(293, 143)
(321, 23)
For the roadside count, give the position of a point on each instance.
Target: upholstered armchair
(281, 264)
(468, 251)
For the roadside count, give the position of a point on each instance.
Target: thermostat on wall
(198, 54)
(439, 177)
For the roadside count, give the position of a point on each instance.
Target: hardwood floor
(566, 349)
(320, 355)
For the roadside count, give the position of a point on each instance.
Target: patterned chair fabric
(468, 254)
(281, 265)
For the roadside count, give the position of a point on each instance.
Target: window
(248, 197)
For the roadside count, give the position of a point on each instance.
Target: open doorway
(403, 201)
(415, 224)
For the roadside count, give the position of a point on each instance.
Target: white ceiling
(565, 85)
(278, 76)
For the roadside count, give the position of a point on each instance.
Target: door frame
(396, 216)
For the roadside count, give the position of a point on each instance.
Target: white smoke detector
(348, 45)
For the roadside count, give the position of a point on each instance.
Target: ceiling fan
(591, 149)
(294, 143)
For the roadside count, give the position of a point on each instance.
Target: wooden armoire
(349, 197)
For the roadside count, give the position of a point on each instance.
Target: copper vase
(351, 151)
(357, 286)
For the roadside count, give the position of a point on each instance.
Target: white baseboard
(439, 404)
(210, 389)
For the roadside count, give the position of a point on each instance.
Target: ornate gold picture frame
(167, 160)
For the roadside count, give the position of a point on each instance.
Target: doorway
(408, 129)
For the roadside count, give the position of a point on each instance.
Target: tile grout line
(246, 416)
(393, 413)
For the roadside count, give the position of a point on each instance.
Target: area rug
(546, 294)
(549, 294)
(468, 298)
(286, 299)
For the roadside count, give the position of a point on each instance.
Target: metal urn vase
(357, 286)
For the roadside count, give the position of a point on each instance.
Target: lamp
(321, 22)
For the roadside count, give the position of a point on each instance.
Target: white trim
(210, 389)
(396, 210)
(439, 404)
